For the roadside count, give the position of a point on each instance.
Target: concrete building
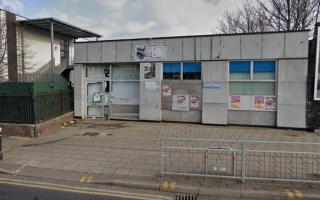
(35, 48)
(244, 79)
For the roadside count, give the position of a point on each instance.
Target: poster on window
(149, 71)
(270, 103)
(146, 52)
(194, 101)
(166, 90)
(259, 102)
(235, 102)
(180, 102)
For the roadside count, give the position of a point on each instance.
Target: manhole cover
(91, 133)
(185, 197)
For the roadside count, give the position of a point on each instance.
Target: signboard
(194, 101)
(146, 52)
(212, 85)
(317, 69)
(149, 71)
(166, 90)
(180, 102)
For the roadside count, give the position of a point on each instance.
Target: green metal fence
(34, 102)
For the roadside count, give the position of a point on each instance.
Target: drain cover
(186, 197)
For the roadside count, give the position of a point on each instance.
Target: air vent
(186, 197)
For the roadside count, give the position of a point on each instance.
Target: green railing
(34, 102)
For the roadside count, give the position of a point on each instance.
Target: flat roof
(60, 27)
(189, 36)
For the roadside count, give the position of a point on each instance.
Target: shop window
(264, 70)
(192, 71)
(171, 71)
(239, 70)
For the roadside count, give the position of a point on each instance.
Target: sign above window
(146, 52)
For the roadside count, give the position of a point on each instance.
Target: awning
(59, 27)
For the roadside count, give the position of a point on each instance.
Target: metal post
(243, 164)
(52, 50)
(1, 154)
(206, 161)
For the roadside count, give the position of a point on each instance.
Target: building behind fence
(34, 102)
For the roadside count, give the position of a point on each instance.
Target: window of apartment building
(64, 48)
(182, 71)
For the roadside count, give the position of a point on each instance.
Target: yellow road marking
(173, 186)
(298, 193)
(289, 193)
(83, 179)
(89, 179)
(165, 185)
(81, 190)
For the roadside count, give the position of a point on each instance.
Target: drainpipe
(1, 154)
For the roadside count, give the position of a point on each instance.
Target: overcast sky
(130, 18)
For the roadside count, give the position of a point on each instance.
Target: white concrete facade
(289, 50)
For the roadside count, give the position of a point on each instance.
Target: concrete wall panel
(252, 118)
(273, 45)
(80, 52)
(174, 49)
(293, 70)
(192, 116)
(220, 113)
(296, 45)
(124, 53)
(189, 48)
(205, 48)
(292, 93)
(230, 47)
(198, 48)
(215, 71)
(94, 52)
(216, 47)
(109, 52)
(158, 41)
(251, 46)
(291, 116)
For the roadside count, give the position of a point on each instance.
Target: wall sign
(151, 85)
(180, 102)
(148, 52)
(166, 90)
(212, 85)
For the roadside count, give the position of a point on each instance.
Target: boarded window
(192, 71)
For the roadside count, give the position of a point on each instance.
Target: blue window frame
(264, 70)
(192, 71)
(171, 71)
(239, 70)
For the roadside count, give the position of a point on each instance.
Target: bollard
(1, 154)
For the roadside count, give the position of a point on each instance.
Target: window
(252, 77)
(240, 70)
(64, 48)
(184, 71)
(171, 71)
(192, 71)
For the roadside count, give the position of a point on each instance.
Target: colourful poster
(149, 71)
(166, 90)
(259, 102)
(270, 103)
(194, 101)
(235, 102)
(180, 102)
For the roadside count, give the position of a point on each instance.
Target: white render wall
(289, 49)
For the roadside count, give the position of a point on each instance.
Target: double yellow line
(294, 193)
(81, 190)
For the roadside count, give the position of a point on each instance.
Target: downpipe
(1, 153)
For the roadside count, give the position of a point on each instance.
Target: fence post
(243, 164)
(1, 153)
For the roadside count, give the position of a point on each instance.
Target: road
(11, 192)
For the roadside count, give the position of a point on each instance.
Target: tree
(271, 15)
(3, 48)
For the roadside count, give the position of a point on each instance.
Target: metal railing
(244, 160)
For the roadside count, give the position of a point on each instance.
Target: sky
(116, 19)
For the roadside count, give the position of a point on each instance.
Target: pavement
(127, 153)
